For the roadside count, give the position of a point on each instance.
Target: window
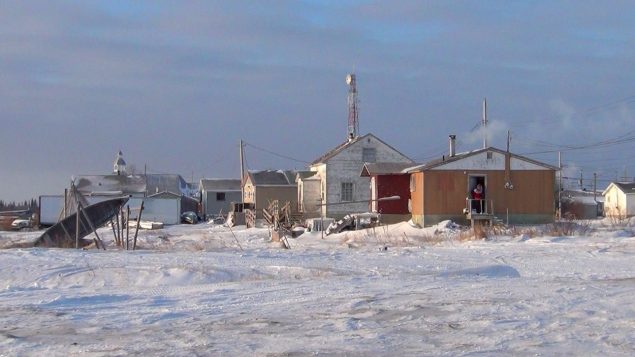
(347, 191)
(369, 155)
(220, 196)
(490, 155)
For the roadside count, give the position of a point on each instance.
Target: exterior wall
(165, 210)
(212, 207)
(619, 204)
(266, 194)
(445, 192)
(392, 185)
(416, 197)
(250, 192)
(321, 170)
(346, 167)
(309, 196)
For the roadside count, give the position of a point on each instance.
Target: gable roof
(348, 143)
(626, 187)
(272, 177)
(110, 184)
(447, 159)
(384, 168)
(129, 184)
(220, 185)
(307, 175)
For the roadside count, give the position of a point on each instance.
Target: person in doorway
(477, 197)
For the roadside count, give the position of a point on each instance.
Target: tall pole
(242, 174)
(484, 123)
(560, 185)
(581, 181)
(595, 185)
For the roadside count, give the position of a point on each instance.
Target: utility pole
(595, 184)
(242, 174)
(581, 181)
(560, 185)
(484, 123)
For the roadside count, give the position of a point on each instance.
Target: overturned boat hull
(64, 233)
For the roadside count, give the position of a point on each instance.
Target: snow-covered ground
(395, 290)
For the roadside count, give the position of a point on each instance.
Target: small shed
(217, 194)
(387, 179)
(579, 204)
(264, 186)
(619, 199)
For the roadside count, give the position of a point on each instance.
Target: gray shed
(217, 194)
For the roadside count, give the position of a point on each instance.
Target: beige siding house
(619, 199)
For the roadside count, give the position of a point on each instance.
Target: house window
(369, 155)
(347, 191)
(490, 155)
(220, 196)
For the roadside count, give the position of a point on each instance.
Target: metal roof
(447, 159)
(223, 185)
(347, 143)
(129, 184)
(272, 177)
(384, 168)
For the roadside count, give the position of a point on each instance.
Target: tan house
(263, 187)
(516, 189)
(619, 199)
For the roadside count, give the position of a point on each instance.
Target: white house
(619, 199)
(339, 171)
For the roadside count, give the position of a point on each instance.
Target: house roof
(129, 184)
(447, 159)
(272, 177)
(384, 168)
(303, 175)
(220, 185)
(626, 187)
(110, 184)
(348, 143)
(165, 182)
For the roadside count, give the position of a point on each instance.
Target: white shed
(619, 199)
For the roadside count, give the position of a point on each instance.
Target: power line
(275, 153)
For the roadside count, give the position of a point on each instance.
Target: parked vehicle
(189, 217)
(20, 223)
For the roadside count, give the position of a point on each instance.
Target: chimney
(452, 145)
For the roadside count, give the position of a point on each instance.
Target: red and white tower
(353, 113)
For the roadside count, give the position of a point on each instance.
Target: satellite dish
(350, 78)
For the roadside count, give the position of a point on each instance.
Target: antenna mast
(353, 114)
(484, 123)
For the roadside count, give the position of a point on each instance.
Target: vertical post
(65, 198)
(581, 181)
(484, 122)
(77, 227)
(595, 182)
(560, 185)
(128, 228)
(118, 230)
(134, 240)
(242, 175)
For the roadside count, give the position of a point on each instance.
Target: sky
(176, 85)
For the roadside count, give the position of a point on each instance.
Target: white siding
(497, 162)
(346, 166)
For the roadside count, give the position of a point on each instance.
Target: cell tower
(353, 122)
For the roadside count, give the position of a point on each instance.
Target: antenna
(484, 123)
(353, 114)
